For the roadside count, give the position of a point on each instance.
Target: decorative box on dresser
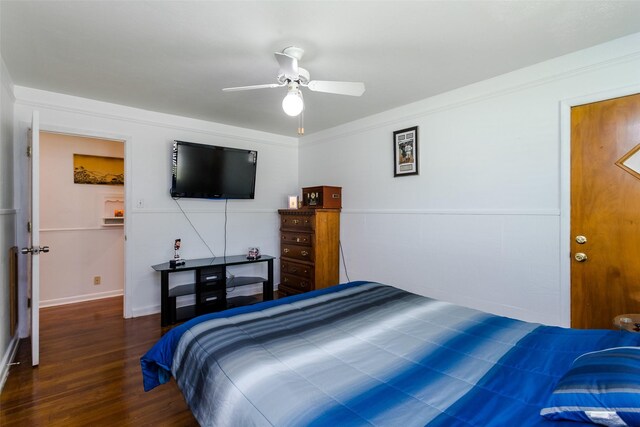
(309, 249)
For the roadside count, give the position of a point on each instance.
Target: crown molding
(482, 91)
(35, 98)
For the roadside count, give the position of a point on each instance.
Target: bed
(365, 353)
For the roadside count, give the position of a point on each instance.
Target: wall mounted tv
(211, 172)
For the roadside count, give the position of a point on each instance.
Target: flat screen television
(211, 172)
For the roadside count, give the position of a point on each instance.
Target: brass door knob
(580, 257)
(581, 240)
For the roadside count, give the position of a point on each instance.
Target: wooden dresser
(309, 249)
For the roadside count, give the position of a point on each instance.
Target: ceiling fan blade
(340, 88)
(265, 86)
(288, 65)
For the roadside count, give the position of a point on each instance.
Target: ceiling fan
(295, 77)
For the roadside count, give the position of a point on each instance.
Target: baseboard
(145, 311)
(80, 298)
(7, 358)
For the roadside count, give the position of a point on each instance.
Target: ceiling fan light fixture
(294, 77)
(292, 104)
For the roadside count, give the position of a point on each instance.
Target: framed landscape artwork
(405, 152)
(101, 170)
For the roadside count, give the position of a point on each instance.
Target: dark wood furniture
(322, 197)
(309, 250)
(210, 285)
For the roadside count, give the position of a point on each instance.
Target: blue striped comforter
(367, 354)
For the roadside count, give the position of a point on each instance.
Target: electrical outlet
(96, 280)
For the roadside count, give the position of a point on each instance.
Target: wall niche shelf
(113, 221)
(113, 211)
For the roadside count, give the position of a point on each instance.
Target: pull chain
(301, 124)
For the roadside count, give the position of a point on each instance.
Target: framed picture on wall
(88, 169)
(405, 152)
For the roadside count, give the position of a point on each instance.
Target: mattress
(368, 354)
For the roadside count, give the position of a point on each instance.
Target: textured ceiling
(176, 56)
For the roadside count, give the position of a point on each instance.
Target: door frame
(127, 141)
(565, 188)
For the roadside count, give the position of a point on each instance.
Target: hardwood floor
(89, 372)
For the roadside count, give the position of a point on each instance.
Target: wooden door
(34, 249)
(605, 209)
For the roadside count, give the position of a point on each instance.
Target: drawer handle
(285, 250)
(286, 280)
(294, 270)
(304, 253)
(296, 221)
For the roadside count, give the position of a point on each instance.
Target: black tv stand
(210, 286)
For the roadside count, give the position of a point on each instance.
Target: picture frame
(98, 170)
(293, 202)
(405, 152)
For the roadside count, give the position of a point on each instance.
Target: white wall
(8, 344)
(481, 225)
(153, 219)
(71, 224)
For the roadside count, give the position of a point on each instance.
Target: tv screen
(212, 172)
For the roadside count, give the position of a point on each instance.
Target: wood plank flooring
(89, 373)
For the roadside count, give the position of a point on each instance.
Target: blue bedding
(368, 354)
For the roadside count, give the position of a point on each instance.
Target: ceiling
(176, 56)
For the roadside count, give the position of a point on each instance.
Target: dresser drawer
(296, 222)
(212, 297)
(295, 238)
(210, 274)
(302, 270)
(297, 283)
(303, 253)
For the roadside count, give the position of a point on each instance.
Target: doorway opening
(82, 201)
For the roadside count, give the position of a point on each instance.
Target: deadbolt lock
(581, 240)
(580, 257)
